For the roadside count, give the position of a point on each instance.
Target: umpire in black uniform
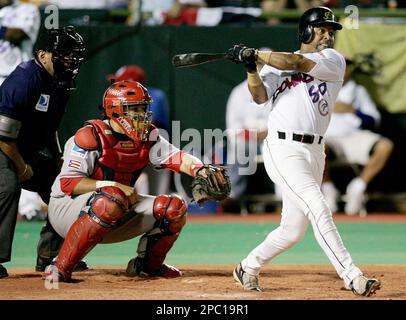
(33, 99)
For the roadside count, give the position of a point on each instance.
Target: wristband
(104, 183)
(194, 168)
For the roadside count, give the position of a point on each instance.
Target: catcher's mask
(67, 48)
(315, 17)
(126, 103)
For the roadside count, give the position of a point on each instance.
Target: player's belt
(304, 138)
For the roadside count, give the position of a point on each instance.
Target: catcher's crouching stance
(93, 199)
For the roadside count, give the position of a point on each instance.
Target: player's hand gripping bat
(194, 59)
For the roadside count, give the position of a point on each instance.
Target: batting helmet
(119, 100)
(317, 16)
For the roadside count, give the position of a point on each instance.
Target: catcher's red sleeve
(68, 184)
(174, 161)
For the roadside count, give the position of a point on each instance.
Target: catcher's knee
(108, 205)
(170, 212)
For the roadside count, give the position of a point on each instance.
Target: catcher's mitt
(210, 183)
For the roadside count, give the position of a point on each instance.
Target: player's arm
(80, 156)
(15, 35)
(285, 60)
(86, 185)
(165, 155)
(279, 60)
(342, 107)
(190, 164)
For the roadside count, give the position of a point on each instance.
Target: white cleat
(246, 280)
(364, 286)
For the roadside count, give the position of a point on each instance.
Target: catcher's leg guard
(170, 213)
(106, 206)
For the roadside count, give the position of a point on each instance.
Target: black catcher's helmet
(316, 17)
(68, 49)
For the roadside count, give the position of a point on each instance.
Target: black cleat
(3, 272)
(42, 263)
(136, 267)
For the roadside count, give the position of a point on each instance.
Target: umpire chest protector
(119, 160)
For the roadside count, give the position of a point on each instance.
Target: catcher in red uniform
(93, 199)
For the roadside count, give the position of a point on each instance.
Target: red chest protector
(120, 161)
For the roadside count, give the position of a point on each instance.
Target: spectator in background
(279, 5)
(351, 138)
(31, 207)
(89, 4)
(151, 180)
(156, 12)
(200, 12)
(19, 26)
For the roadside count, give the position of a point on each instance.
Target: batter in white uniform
(301, 102)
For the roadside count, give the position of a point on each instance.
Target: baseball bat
(194, 59)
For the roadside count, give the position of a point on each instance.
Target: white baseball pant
(297, 168)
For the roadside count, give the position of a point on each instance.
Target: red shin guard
(171, 211)
(82, 237)
(107, 206)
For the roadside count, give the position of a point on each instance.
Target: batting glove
(241, 54)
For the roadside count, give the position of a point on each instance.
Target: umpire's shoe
(363, 286)
(42, 263)
(3, 272)
(137, 267)
(246, 280)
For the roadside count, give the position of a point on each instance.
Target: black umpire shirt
(30, 95)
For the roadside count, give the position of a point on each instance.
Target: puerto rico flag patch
(78, 152)
(43, 103)
(75, 164)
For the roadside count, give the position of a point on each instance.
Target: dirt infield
(308, 282)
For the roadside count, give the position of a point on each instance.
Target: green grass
(228, 243)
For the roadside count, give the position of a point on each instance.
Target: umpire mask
(67, 48)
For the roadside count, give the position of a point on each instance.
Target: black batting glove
(249, 60)
(235, 53)
(241, 54)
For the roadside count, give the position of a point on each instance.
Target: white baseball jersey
(22, 16)
(242, 113)
(343, 124)
(304, 102)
